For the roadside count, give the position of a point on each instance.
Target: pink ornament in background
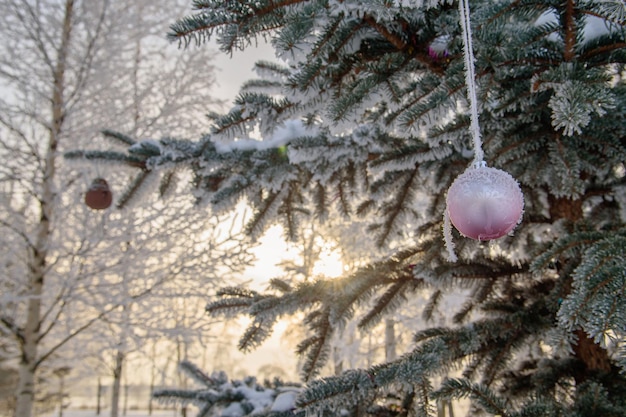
(438, 49)
(485, 203)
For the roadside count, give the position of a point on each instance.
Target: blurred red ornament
(99, 196)
(485, 203)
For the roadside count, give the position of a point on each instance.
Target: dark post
(98, 397)
(125, 399)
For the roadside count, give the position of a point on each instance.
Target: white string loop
(470, 79)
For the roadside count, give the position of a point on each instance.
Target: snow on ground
(107, 413)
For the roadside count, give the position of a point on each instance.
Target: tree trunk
(390, 340)
(26, 382)
(125, 408)
(337, 361)
(117, 383)
(182, 382)
(99, 394)
(441, 409)
(594, 357)
(442, 406)
(153, 372)
(61, 393)
(30, 335)
(151, 392)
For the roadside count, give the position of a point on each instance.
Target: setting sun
(329, 264)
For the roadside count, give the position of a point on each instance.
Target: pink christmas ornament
(485, 203)
(482, 203)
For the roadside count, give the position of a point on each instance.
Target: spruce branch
(430, 333)
(396, 208)
(275, 5)
(604, 51)
(418, 51)
(108, 157)
(196, 373)
(570, 31)
(168, 180)
(269, 207)
(349, 388)
(392, 299)
(200, 27)
(423, 404)
(237, 292)
(396, 41)
(316, 347)
(255, 334)
(280, 285)
(571, 245)
(455, 388)
(363, 283)
(229, 307)
(121, 138)
(132, 189)
(431, 306)
(322, 42)
(479, 295)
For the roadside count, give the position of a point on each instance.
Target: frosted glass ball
(485, 203)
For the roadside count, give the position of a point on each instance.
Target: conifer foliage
(364, 115)
(219, 396)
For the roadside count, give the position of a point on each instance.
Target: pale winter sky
(234, 70)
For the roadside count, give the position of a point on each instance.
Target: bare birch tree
(67, 70)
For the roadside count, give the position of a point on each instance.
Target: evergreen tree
(365, 116)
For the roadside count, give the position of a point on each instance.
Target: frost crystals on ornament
(98, 196)
(485, 203)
